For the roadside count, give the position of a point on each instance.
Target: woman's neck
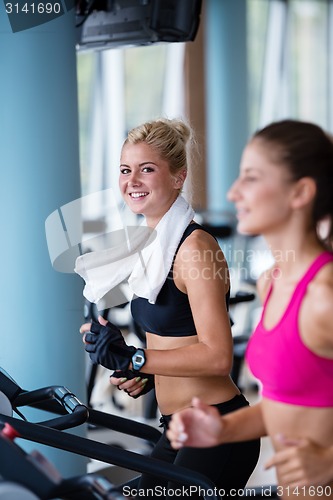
(294, 252)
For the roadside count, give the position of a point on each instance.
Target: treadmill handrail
(43, 400)
(59, 400)
(111, 455)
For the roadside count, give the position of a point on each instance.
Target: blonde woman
(189, 344)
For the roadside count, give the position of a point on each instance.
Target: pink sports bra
(289, 371)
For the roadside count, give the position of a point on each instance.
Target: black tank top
(171, 315)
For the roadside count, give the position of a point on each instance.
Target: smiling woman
(262, 183)
(189, 342)
(148, 181)
(145, 182)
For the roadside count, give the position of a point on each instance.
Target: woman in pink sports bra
(284, 192)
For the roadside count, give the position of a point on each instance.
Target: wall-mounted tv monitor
(112, 23)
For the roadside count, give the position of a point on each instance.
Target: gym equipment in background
(61, 401)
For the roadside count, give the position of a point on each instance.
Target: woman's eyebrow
(250, 169)
(140, 164)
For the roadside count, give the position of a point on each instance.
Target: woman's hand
(131, 383)
(106, 345)
(199, 426)
(302, 462)
(86, 327)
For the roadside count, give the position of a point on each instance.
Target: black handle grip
(56, 399)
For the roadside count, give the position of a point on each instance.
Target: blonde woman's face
(146, 183)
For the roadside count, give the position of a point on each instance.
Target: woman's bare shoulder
(200, 240)
(318, 310)
(200, 243)
(320, 293)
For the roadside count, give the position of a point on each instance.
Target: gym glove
(106, 346)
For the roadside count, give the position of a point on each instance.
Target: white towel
(144, 257)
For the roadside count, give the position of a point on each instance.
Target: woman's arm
(302, 463)
(202, 426)
(200, 270)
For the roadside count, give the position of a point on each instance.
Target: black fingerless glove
(106, 346)
(129, 374)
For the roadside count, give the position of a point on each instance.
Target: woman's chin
(246, 229)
